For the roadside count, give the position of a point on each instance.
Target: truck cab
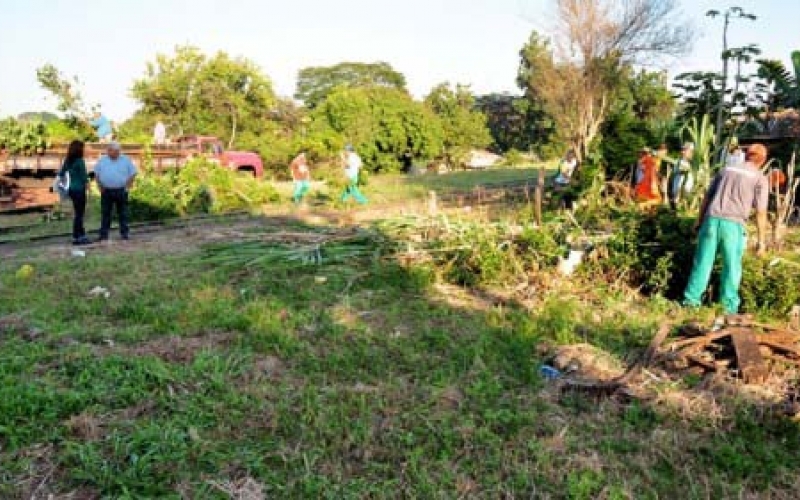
(212, 148)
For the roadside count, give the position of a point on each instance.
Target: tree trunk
(233, 128)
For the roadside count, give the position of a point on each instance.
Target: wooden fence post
(537, 209)
(432, 205)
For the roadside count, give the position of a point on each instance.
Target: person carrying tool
(734, 193)
(352, 165)
(301, 177)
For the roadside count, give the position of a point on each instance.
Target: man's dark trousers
(109, 199)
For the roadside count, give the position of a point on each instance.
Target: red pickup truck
(189, 146)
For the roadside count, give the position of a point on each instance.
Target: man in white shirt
(352, 164)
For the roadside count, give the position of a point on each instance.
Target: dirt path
(186, 235)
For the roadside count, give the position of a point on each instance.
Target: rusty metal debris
(742, 347)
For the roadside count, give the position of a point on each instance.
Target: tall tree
(315, 83)
(576, 76)
(385, 126)
(464, 127)
(699, 93)
(195, 93)
(66, 91)
(515, 122)
(782, 85)
(726, 56)
(639, 117)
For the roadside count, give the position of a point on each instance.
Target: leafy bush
(769, 287)
(514, 158)
(383, 124)
(474, 254)
(655, 252)
(651, 251)
(201, 186)
(23, 137)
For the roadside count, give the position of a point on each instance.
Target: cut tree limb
(611, 386)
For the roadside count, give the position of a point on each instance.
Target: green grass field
(354, 380)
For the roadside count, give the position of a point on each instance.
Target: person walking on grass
(301, 177)
(352, 166)
(115, 173)
(74, 180)
(734, 193)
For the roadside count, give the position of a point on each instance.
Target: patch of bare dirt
(16, 325)
(173, 349)
(86, 427)
(39, 481)
(265, 368)
(243, 489)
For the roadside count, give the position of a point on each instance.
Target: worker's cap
(756, 153)
(349, 147)
(113, 146)
(644, 150)
(687, 146)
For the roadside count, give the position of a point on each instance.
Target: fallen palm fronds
(296, 249)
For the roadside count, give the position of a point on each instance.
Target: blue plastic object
(548, 372)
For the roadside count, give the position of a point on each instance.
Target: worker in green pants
(734, 193)
(301, 177)
(352, 165)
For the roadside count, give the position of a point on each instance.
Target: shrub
(769, 286)
(654, 252)
(201, 186)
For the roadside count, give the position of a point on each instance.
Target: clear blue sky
(107, 42)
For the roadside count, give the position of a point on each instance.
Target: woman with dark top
(74, 172)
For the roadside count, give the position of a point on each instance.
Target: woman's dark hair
(74, 152)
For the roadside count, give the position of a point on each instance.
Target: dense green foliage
(518, 124)
(23, 137)
(463, 127)
(640, 117)
(383, 124)
(211, 95)
(314, 84)
(781, 84)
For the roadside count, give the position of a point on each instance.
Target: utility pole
(735, 13)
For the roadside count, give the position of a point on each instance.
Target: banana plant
(701, 133)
